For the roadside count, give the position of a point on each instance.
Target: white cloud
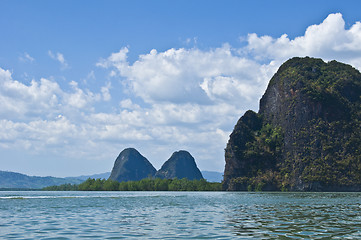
(36, 135)
(25, 57)
(194, 94)
(118, 60)
(189, 75)
(90, 77)
(60, 58)
(105, 92)
(128, 104)
(43, 98)
(328, 40)
(19, 100)
(80, 98)
(176, 99)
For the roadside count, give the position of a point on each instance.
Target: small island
(306, 135)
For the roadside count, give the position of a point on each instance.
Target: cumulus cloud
(20, 100)
(79, 98)
(117, 60)
(128, 104)
(175, 99)
(44, 98)
(60, 58)
(193, 93)
(189, 75)
(328, 40)
(105, 92)
(36, 134)
(42, 116)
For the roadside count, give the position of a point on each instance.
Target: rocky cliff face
(180, 165)
(130, 165)
(306, 135)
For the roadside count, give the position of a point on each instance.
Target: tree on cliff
(306, 135)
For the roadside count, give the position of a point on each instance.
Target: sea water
(179, 215)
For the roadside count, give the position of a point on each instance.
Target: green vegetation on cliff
(147, 184)
(307, 134)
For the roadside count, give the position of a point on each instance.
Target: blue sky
(82, 80)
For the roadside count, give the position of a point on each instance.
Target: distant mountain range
(18, 180)
(85, 177)
(212, 176)
(13, 180)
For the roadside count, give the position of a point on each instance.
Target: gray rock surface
(180, 165)
(130, 165)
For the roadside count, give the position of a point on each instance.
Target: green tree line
(148, 184)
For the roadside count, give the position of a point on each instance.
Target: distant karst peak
(180, 165)
(130, 165)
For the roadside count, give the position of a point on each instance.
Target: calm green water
(179, 215)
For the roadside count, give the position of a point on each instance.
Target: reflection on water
(179, 215)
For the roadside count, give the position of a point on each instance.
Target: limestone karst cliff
(306, 135)
(180, 165)
(130, 165)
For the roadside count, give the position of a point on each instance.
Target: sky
(82, 80)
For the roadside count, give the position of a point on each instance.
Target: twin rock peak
(130, 165)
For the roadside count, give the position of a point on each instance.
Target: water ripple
(179, 215)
